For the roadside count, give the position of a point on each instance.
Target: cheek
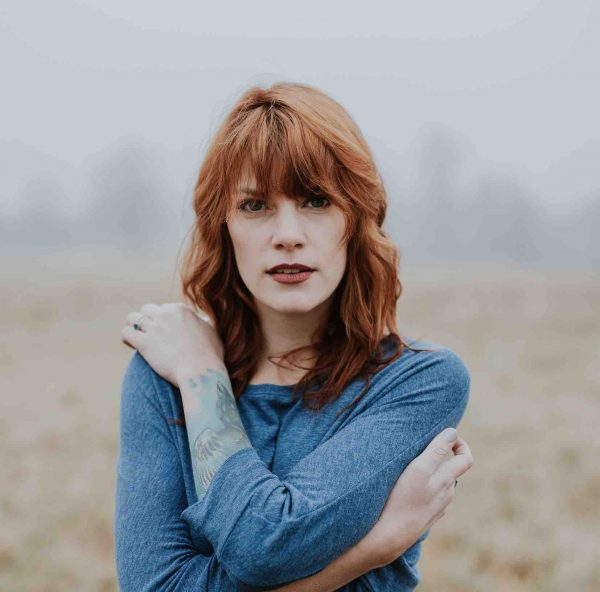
(336, 250)
(248, 266)
(334, 263)
(246, 255)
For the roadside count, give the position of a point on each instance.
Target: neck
(289, 333)
(286, 331)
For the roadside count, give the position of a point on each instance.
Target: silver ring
(138, 324)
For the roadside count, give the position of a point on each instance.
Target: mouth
(290, 277)
(289, 269)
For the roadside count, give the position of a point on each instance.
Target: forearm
(214, 427)
(210, 407)
(356, 561)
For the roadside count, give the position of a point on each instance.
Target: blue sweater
(310, 487)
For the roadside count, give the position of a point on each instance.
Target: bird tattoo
(212, 447)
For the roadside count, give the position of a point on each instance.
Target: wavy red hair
(296, 140)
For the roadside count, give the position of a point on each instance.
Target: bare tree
(128, 200)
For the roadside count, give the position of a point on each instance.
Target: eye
(242, 205)
(320, 197)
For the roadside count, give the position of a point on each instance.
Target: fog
(483, 119)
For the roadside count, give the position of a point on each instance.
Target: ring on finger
(137, 325)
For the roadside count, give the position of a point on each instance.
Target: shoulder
(444, 363)
(139, 374)
(440, 372)
(141, 383)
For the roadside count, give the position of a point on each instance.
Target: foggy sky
(515, 84)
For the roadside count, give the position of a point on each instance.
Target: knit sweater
(309, 488)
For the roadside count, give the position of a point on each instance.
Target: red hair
(297, 140)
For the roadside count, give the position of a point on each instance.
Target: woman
(313, 453)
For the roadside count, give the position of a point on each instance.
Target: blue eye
(246, 201)
(242, 205)
(320, 197)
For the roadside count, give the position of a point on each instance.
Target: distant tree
(436, 212)
(128, 202)
(41, 219)
(504, 221)
(583, 231)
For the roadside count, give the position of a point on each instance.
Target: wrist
(194, 368)
(382, 547)
(376, 552)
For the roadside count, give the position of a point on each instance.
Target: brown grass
(524, 519)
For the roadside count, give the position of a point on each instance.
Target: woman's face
(308, 231)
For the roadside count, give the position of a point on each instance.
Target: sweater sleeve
(153, 547)
(267, 530)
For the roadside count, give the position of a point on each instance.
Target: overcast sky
(514, 83)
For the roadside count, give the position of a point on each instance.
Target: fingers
(150, 310)
(460, 463)
(194, 309)
(440, 515)
(437, 450)
(462, 448)
(137, 317)
(135, 338)
(132, 337)
(145, 315)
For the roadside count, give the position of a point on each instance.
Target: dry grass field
(525, 518)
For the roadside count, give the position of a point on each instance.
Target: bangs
(275, 152)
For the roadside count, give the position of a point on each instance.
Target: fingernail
(450, 434)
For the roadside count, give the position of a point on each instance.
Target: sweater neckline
(271, 388)
(267, 387)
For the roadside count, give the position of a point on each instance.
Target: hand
(173, 337)
(420, 496)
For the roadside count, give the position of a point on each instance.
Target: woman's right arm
(153, 548)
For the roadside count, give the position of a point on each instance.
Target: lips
(288, 266)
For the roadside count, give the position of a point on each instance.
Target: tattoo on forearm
(215, 429)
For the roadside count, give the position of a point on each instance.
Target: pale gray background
(483, 117)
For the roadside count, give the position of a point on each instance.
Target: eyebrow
(249, 191)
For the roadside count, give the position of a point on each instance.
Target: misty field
(525, 518)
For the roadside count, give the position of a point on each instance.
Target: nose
(288, 229)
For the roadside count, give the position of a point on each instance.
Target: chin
(296, 304)
(292, 308)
